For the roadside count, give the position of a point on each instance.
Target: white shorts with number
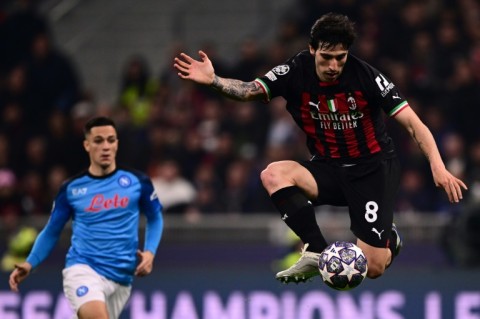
(82, 284)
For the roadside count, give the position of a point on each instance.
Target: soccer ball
(343, 265)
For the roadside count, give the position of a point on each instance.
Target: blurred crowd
(203, 152)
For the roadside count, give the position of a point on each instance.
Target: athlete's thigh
(287, 173)
(94, 309)
(370, 190)
(328, 189)
(118, 299)
(85, 290)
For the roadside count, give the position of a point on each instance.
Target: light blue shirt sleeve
(48, 237)
(152, 208)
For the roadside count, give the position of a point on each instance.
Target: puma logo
(317, 105)
(377, 232)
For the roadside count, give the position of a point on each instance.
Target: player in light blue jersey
(104, 204)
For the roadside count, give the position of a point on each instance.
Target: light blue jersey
(105, 214)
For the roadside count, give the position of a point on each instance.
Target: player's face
(329, 62)
(102, 145)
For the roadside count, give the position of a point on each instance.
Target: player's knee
(375, 269)
(269, 176)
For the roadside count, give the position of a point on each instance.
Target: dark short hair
(98, 121)
(332, 29)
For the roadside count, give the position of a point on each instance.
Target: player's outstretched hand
(190, 69)
(452, 185)
(20, 272)
(145, 264)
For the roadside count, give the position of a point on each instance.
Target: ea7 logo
(79, 191)
(383, 84)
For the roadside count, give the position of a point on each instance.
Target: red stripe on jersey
(349, 133)
(350, 137)
(352, 145)
(309, 124)
(369, 131)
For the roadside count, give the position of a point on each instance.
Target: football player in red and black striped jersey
(338, 100)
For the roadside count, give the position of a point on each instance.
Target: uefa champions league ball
(343, 265)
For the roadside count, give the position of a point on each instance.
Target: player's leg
(94, 309)
(370, 190)
(84, 289)
(118, 299)
(380, 259)
(377, 258)
(395, 244)
(292, 189)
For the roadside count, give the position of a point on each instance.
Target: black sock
(299, 214)
(392, 245)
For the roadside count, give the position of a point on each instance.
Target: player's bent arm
(237, 89)
(44, 244)
(152, 209)
(202, 72)
(153, 232)
(48, 237)
(422, 136)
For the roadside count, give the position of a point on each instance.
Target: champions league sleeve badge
(281, 69)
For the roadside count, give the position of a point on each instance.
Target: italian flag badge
(332, 105)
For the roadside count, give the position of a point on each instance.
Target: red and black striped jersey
(343, 120)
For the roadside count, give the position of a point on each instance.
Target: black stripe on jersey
(311, 126)
(320, 133)
(370, 145)
(339, 133)
(359, 133)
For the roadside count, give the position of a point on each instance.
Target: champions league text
(259, 304)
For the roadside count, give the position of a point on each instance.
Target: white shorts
(82, 284)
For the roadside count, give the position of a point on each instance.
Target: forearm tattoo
(236, 89)
(420, 145)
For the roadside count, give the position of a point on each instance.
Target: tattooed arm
(425, 141)
(238, 90)
(202, 72)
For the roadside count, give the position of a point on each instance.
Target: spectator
(35, 200)
(18, 31)
(247, 129)
(10, 202)
(52, 82)
(175, 192)
(60, 138)
(415, 195)
(208, 186)
(251, 61)
(138, 90)
(57, 175)
(236, 195)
